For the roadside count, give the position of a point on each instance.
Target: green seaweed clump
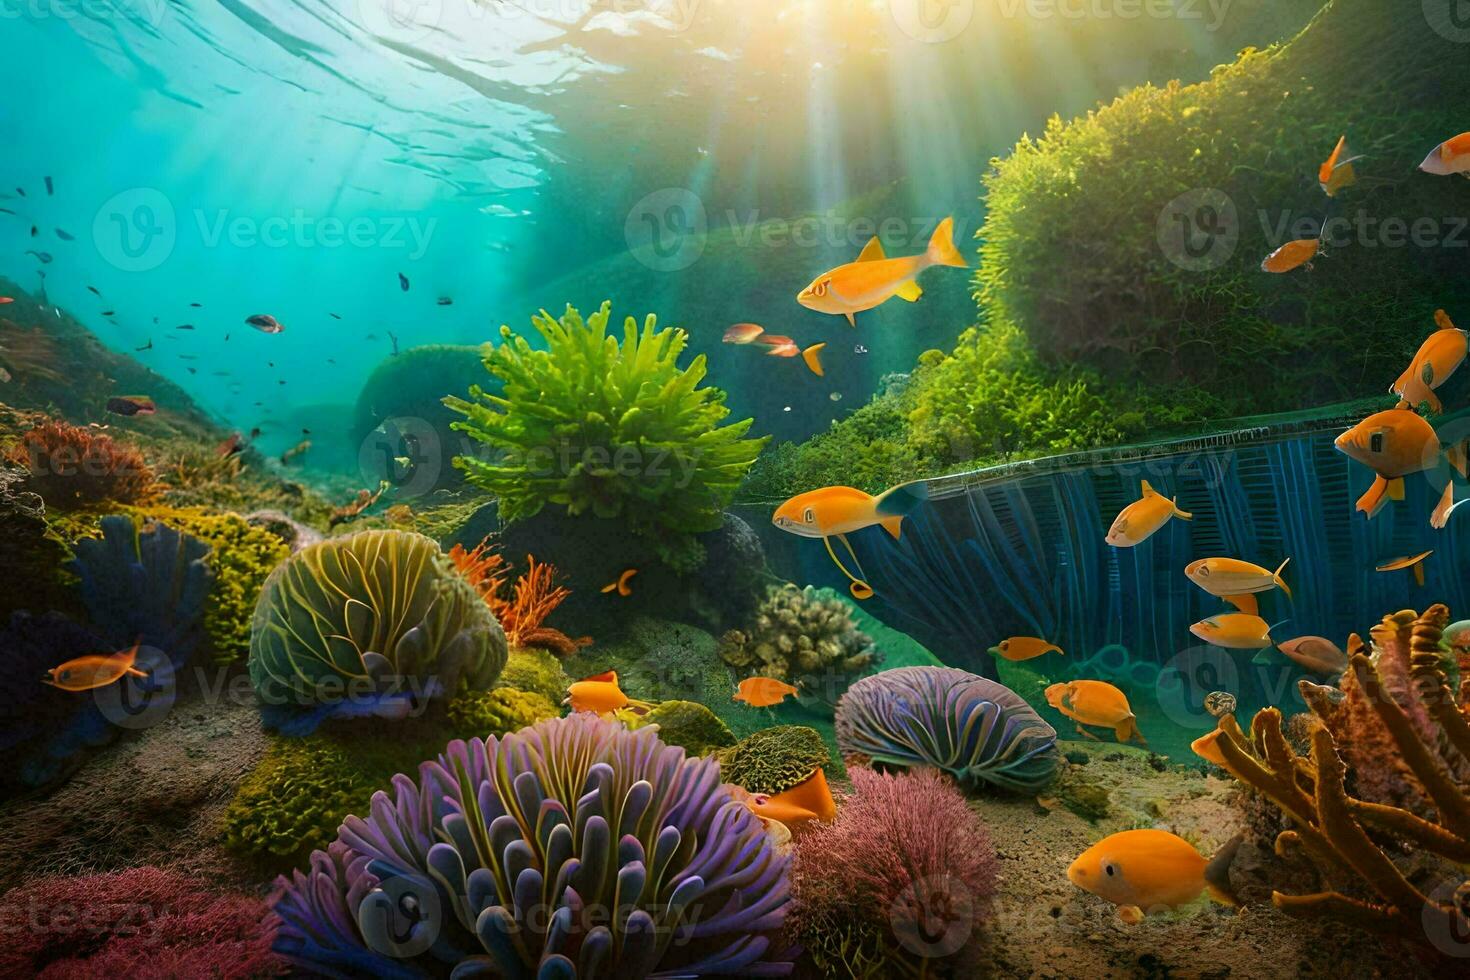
(688, 724)
(805, 637)
(536, 671)
(607, 429)
(479, 714)
(774, 759)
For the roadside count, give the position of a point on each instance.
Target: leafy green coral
(687, 724)
(477, 714)
(536, 671)
(608, 429)
(806, 637)
(773, 760)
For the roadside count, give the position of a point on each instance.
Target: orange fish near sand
(1336, 171)
(762, 692)
(875, 278)
(97, 670)
(1143, 517)
(835, 512)
(1023, 648)
(620, 584)
(1096, 703)
(1437, 358)
(1395, 444)
(801, 804)
(1141, 871)
(1450, 157)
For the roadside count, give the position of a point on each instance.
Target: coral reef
(975, 729)
(68, 466)
(774, 760)
(33, 557)
(144, 923)
(1371, 886)
(505, 855)
(906, 862)
(805, 637)
(478, 714)
(371, 623)
(607, 429)
(521, 608)
(688, 724)
(536, 671)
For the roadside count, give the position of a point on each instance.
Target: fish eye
(1108, 870)
(808, 516)
(1375, 442)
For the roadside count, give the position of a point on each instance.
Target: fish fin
(1130, 915)
(1246, 603)
(1435, 405)
(1419, 574)
(1281, 583)
(1374, 497)
(813, 358)
(1456, 457)
(860, 590)
(609, 587)
(872, 252)
(1128, 732)
(136, 672)
(1396, 489)
(851, 322)
(1441, 514)
(1220, 896)
(893, 525)
(902, 500)
(941, 250)
(1146, 488)
(909, 291)
(1183, 515)
(1442, 320)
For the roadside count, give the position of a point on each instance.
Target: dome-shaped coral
(571, 848)
(806, 637)
(975, 729)
(369, 623)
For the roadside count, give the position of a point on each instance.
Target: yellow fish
(1023, 648)
(1142, 871)
(1236, 631)
(1235, 581)
(1414, 562)
(1395, 444)
(96, 670)
(874, 277)
(620, 584)
(1437, 358)
(1143, 517)
(835, 512)
(1096, 703)
(602, 695)
(1336, 171)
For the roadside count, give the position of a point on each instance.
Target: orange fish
(783, 350)
(1414, 562)
(762, 692)
(94, 671)
(620, 584)
(743, 333)
(1450, 157)
(1337, 171)
(777, 340)
(813, 358)
(1437, 358)
(809, 800)
(1023, 648)
(1143, 517)
(4, 300)
(875, 278)
(835, 512)
(1142, 871)
(1316, 653)
(601, 694)
(1293, 255)
(1394, 444)
(229, 446)
(1095, 703)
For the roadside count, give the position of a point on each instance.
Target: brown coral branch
(1427, 835)
(1334, 905)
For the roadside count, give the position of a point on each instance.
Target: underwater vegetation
(448, 870)
(521, 608)
(607, 429)
(806, 637)
(478, 714)
(901, 879)
(1387, 868)
(369, 623)
(774, 759)
(688, 724)
(537, 671)
(34, 555)
(977, 730)
(69, 466)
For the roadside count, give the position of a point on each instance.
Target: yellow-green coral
(774, 759)
(478, 714)
(687, 724)
(538, 671)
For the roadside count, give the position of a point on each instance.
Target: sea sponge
(975, 729)
(70, 467)
(537, 671)
(687, 724)
(775, 759)
(370, 623)
(805, 637)
(476, 714)
(640, 862)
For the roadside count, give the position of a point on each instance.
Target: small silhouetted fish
(188, 357)
(35, 231)
(445, 301)
(281, 382)
(270, 363)
(130, 405)
(65, 235)
(403, 282)
(6, 211)
(197, 306)
(227, 338)
(220, 374)
(334, 316)
(155, 319)
(255, 432)
(147, 346)
(21, 191)
(50, 189)
(185, 326)
(265, 323)
(371, 336)
(331, 360)
(109, 313)
(229, 447)
(44, 257)
(93, 290)
(193, 370)
(305, 431)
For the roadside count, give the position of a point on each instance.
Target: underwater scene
(835, 489)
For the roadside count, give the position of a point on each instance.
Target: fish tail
(1280, 583)
(1441, 514)
(902, 500)
(813, 358)
(1183, 515)
(941, 250)
(1443, 321)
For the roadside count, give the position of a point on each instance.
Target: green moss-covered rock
(1082, 794)
(477, 714)
(774, 759)
(687, 724)
(537, 671)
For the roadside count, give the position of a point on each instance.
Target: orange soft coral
(523, 612)
(69, 467)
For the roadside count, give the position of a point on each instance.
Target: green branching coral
(373, 616)
(687, 724)
(805, 637)
(536, 671)
(478, 714)
(774, 759)
(608, 429)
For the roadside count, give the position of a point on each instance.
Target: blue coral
(975, 729)
(573, 848)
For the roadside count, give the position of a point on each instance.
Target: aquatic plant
(33, 556)
(688, 724)
(1351, 841)
(145, 923)
(370, 623)
(505, 855)
(521, 608)
(147, 585)
(28, 353)
(69, 466)
(477, 714)
(537, 671)
(906, 858)
(775, 759)
(613, 430)
(975, 729)
(805, 637)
